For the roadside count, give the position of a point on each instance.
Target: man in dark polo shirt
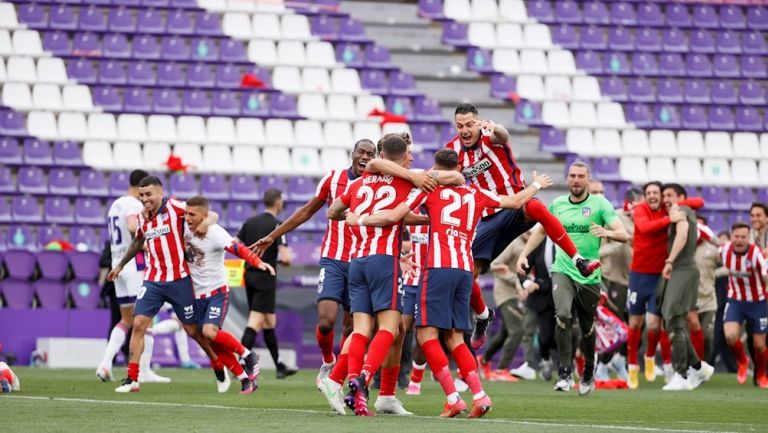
(261, 287)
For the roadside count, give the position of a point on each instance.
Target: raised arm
(644, 223)
(681, 236)
(499, 134)
(381, 219)
(521, 198)
(137, 244)
(299, 217)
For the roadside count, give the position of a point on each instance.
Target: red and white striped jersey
(419, 242)
(454, 212)
(489, 166)
(337, 237)
(164, 242)
(703, 233)
(370, 194)
(746, 273)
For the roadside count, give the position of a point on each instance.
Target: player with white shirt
(122, 221)
(205, 255)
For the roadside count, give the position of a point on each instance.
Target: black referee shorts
(261, 288)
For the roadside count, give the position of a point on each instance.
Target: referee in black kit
(261, 287)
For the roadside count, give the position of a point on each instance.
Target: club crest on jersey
(157, 232)
(586, 211)
(477, 168)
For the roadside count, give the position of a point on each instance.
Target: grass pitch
(75, 401)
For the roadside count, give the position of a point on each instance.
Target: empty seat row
(39, 152)
(27, 70)
(691, 90)
(70, 97)
(584, 114)
(715, 117)
(33, 238)
(692, 170)
(60, 210)
(513, 62)
(50, 295)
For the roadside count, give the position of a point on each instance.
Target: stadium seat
(718, 144)
(580, 141)
(309, 133)
(717, 171)
(217, 158)
(633, 169)
(690, 143)
(127, 154)
(557, 87)
(745, 172)
(246, 159)
(607, 142)
(662, 168)
(688, 170)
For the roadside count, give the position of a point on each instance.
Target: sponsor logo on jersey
(214, 312)
(576, 228)
(157, 232)
(479, 167)
(420, 238)
(189, 311)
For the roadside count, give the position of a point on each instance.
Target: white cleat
(391, 406)
(223, 387)
(524, 371)
(333, 393)
(126, 386)
(564, 383)
(669, 371)
(104, 374)
(703, 374)
(586, 388)
(152, 377)
(678, 383)
(413, 389)
(325, 370)
(460, 385)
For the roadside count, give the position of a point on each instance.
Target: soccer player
(205, 256)
(650, 240)
(486, 159)
(122, 222)
(444, 290)
(334, 254)
(418, 241)
(748, 270)
(166, 278)
(588, 219)
(678, 291)
(8, 380)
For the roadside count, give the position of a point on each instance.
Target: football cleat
(524, 371)
(325, 370)
(503, 376)
(762, 382)
(484, 368)
(104, 374)
(252, 365)
(481, 325)
(452, 410)
(480, 407)
(151, 377)
(223, 385)
(127, 385)
(357, 398)
(284, 371)
(587, 267)
(565, 380)
(703, 374)
(678, 383)
(247, 386)
(413, 389)
(650, 369)
(332, 392)
(741, 374)
(190, 364)
(391, 406)
(587, 383)
(633, 380)
(669, 371)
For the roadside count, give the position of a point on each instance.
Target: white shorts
(127, 286)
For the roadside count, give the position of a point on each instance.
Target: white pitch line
(318, 412)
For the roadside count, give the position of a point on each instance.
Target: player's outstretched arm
(381, 219)
(448, 177)
(137, 244)
(420, 179)
(249, 256)
(299, 217)
(414, 219)
(537, 236)
(336, 210)
(518, 200)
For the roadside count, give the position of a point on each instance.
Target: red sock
(737, 349)
(761, 358)
(633, 345)
(468, 367)
(389, 377)
(216, 364)
(438, 363)
(476, 299)
(356, 354)
(227, 358)
(653, 341)
(229, 342)
(325, 343)
(417, 374)
(339, 372)
(666, 347)
(380, 345)
(343, 340)
(580, 364)
(697, 339)
(536, 211)
(133, 371)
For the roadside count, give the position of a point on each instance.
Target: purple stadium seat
(502, 86)
(146, 47)
(150, 21)
(17, 294)
(32, 180)
(214, 187)
(552, 140)
(753, 67)
(67, 153)
(85, 265)
(702, 41)
(112, 72)
(267, 182)
(204, 49)
(541, 11)
(86, 236)
(589, 62)
(237, 214)
(697, 65)
(377, 57)
(649, 14)
(431, 9)
(183, 186)
(82, 70)
(642, 90)
(351, 30)
(623, 13)
(565, 36)
(47, 234)
(705, 16)
(423, 160)
(726, 66)
(447, 134)
(303, 247)
(592, 38)
(644, 64)
(7, 183)
(84, 43)
(53, 264)
(762, 195)
(318, 222)
(724, 92)
(640, 115)
(400, 105)
(118, 183)
(244, 187)
(62, 18)
(748, 119)
(741, 198)
(567, 11)
(479, 60)
(137, 100)
(21, 238)
(456, 34)
(283, 105)
(301, 188)
(694, 91)
(163, 352)
(122, 20)
(647, 39)
(324, 27)
(20, 264)
(715, 197)
(180, 22)
(595, 12)
(58, 210)
(33, 15)
(728, 42)
(141, 74)
(57, 43)
(107, 98)
(228, 104)
(117, 46)
(12, 123)
(374, 80)
(528, 113)
(428, 110)
(673, 40)
(196, 102)
(716, 220)
(402, 83)
(666, 116)
(606, 168)
(200, 75)
(174, 48)
(611, 194)
(51, 294)
(5, 214)
(425, 135)
(753, 42)
(350, 54)
(93, 183)
(757, 17)
(751, 93)
(89, 211)
(62, 181)
(233, 51)
(694, 117)
(677, 15)
(732, 17)
(614, 88)
(620, 39)
(10, 151)
(85, 294)
(208, 24)
(721, 118)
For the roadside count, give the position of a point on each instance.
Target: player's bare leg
(484, 314)
(116, 340)
(131, 383)
(386, 402)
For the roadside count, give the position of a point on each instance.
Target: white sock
(116, 340)
(166, 327)
(419, 366)
(146, 355)
(484, 315)
(479, 395)
(182, 345)
(246, 353)
(575, 258)
(242, 376)
(453, 398)
(386, 397)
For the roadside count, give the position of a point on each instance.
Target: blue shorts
(497, 231)
(179, 294)
(641, 294)
(755, 313)
(333, 283)
(443, 299)
(409, 299)
(375, 284)
(212, 310)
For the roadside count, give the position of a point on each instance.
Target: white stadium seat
(690, 143)
(306, 160)
(320, 54)
(533, 62)
(6, 46)
(266, 26)
(583, 114)
(279, 132)
(764, 144)
(513, 11)
(369, 130)
(221, 130)
(27, 43)
(312, 105)
(77, 97)
(295, 27)
(131, 127)
(458, 10)
(42, 124)
(250, 131)
(662, 168)
(217, 158)
(246, 159)
(746, 145)
(718, 144)
(308, 133)
(17, 96)
(607, 142)
(345, 81)
(561, 62)
(580, 140)
(366, 103)
(338, 133)
(688, 170)
(277, 160)
(156, 155)
(8, 18)
(127, 155)
(586, 89)
(744, 172)
(395, 128)
(3, 73)
(342, 107)
(506, 60)
(190, 155)
(763, 170)
(287, 79)
(237, 25)
(291, 53)
(102, 126)
(717, 171)
(556, 113)
(611, 115)
(531, 87)
(333, 159)
(21, 70)
(663, 143)
(51, 70)
(315, 80)
(191, 129)
(635, 142)
(484, 10)
(98, 154)
(161, 127)
(482, 34)
(537, 36)
(633, 169)
(558, 88)
(46, 97)
(509, 35)
(262, 52)
(73, 126)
